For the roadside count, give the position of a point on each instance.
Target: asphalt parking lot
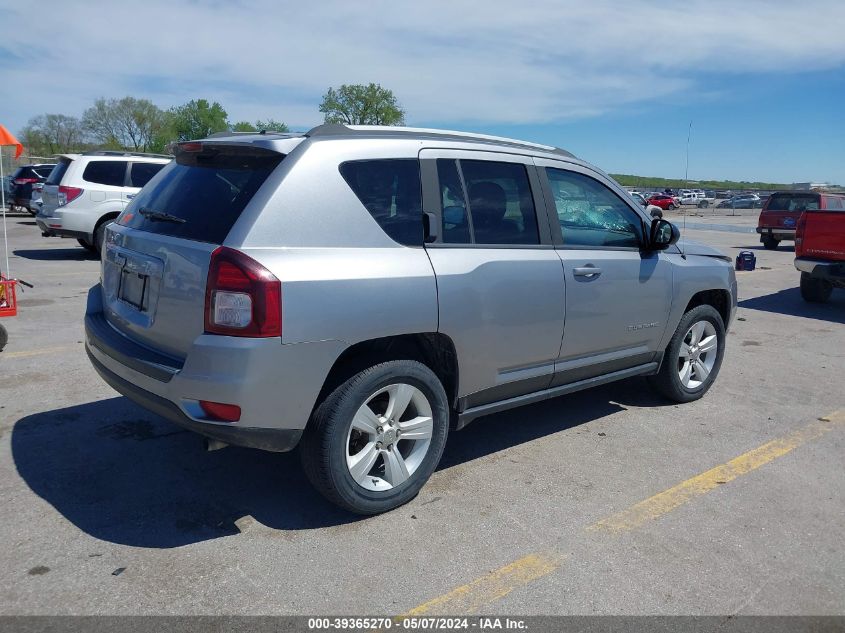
(609, 501)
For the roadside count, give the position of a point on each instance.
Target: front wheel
(4, 337)
(377, 438)
(814, 290)
(673, 206)
(693, 357)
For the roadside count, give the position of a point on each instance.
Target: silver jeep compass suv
(358, 291)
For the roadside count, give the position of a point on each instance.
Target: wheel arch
(435, 350)
(719, 299)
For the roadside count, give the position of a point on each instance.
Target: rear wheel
(693, 357)
(815, 290)
(770, 243)
(703, 204)
(99, 236)
(4, 337)
(86, 245)
(376, 439)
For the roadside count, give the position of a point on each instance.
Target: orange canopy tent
(6, 138)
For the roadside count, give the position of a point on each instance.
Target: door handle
(587, 271)
(129, 196)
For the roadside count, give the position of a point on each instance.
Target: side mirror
(663, 234)
(654, 211)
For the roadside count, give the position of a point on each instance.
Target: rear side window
(141, 173)
(55, 177)
(501, 207)
(200, 195)
(390, 191)
(834, 202)
(106, 172)
(794, 202)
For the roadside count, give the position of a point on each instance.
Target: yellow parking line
(469, 598)
(37, 352)
(668, 500)
(494, 586)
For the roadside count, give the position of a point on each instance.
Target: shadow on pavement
(789, 302)
(57, 254)
(126, 476)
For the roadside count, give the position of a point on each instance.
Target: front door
(618, 295)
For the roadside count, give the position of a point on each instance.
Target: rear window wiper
(151, 214)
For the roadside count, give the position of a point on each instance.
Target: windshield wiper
(151, 214)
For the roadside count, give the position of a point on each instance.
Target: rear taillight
(220, 412)
(25, 181)
(68, 194)
(242, 298)
(799, 230)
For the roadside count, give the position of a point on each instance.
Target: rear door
(618, 296)
(499, 282)
(155, 263)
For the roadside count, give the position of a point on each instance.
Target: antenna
(686, 182)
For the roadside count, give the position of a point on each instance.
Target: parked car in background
(664, 201)
(22, 180)
(639, 198)
(820, 250)
(741, 201)
(243, 295)
(696, 198)
(86, 191)
(779, 217)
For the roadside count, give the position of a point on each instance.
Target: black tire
(99, 236)
(667, 382)
(4, 337)
(323, 448)
(84, 244)
(673, 206)
(703, 204)
(814, 290)
(770, 243)
(31, 212)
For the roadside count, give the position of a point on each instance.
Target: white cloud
(478, 62)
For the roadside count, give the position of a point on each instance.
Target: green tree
(53, 134)
(271, 125)
(197, 119)
(357, 104)
(243, 126)
(127, 123)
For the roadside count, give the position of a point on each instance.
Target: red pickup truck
(820, 253)
(780, 213)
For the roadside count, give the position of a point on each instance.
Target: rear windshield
(55, 177)
(794, 202)
(200, 195)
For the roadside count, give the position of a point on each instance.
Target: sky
(616, 83)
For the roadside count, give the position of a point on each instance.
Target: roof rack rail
(339, 129)
(103, 152)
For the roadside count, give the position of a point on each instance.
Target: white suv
(84, 192)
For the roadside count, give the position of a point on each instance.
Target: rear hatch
(50, 192)
(782, 210)
(157, 254)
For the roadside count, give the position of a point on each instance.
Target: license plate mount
(134, 289)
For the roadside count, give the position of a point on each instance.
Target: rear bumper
(275, 385)
(65, 222)
(780, 233)
(821, 269)
(278, 440)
